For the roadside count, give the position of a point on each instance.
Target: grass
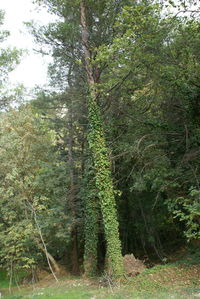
(63, 293)
(176, 280)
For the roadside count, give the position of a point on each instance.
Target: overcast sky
(33, 68)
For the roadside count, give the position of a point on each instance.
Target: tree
(99, 151)
(155, 78)
(81, 46)
(32, 182)
(9, 58)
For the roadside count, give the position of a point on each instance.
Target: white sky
(33, 67)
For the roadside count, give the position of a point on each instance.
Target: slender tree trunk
(91, 225)
(72, 190)
(98, 148)
(74, 255)
(72, 195)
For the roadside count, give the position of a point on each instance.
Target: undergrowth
(176, 280)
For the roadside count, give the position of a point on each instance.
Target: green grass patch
(84, 293)
(175, 280)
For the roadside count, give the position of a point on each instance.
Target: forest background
(105, 162)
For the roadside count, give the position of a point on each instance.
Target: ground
(179, 279)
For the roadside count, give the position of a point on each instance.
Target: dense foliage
(9, 58)
(108, 160)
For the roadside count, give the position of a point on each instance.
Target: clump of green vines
(104, 184)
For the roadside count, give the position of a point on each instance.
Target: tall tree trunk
(91, 225)
(72, 195)
(99, 150)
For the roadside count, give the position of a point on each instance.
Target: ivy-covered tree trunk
(99, 151)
